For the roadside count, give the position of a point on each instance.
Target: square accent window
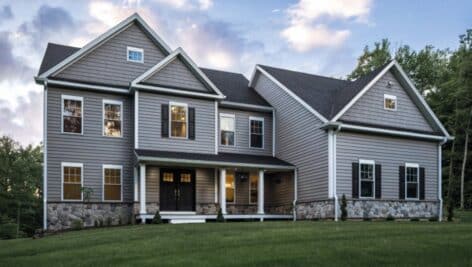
(178, 120)
(185, 178)
(168, 177)
(227, 126)
(112, 118)
(253, 180)
(72, 181)
(411, 181)
(135, 54)
(366, 178)
(390, 102)
(230, 187)
(256, 132)
(112, 183)
(72, 110)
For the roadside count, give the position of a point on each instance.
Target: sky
(315, 36)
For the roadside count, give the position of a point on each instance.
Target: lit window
(390, 102)
(168, 177)
(72, 181)
(72, 110)
(135, 54)
(253, 178)
(112, 183)
(185, 178)
(411, 185)
(366, 175)
(178, 120)
(230, 187)
(256, 133)
(227, 129)
(112, 118)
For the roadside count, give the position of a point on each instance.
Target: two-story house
(132, 126)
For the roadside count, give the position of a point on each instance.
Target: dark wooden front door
(177, 190)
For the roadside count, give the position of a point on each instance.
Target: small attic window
(390, 102)
(134, 54)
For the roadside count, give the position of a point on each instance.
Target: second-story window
(72, 110)
(227, 129)
(178, 120)
(112, 118)
(256, 132)
(134, 54)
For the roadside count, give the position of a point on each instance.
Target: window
(112, 118)
(72, 110)
(390, 102)
(112, 175)
(256, 132)
(411, 185)
(227, 129)
(253, 179)
(72, 179)
(178, 120)
(230, 187)
(135, 54)
(366, 178)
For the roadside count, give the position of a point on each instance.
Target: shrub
(120, 220)
(450, 211)
(343, 208)
(8, 230)
(414, 219)
(433, 219)
(109, 221)
(77, 224)
(390, 218)
(220, 217)
(100, 222)
(96, 223)
(157, 218)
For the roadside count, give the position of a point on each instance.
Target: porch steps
(186, 220)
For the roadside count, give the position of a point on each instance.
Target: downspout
(295, 193)
(440, 215)
(45, 156)
(336, 204)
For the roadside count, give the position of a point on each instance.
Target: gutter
(336, 203)
(295, 194)
(45, 157)
(440, 215)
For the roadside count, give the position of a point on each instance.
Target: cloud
(205, 4)
(11, 67)
(306, 30)
(5, 13)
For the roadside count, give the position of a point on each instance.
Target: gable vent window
(135, 54)
(390, 102)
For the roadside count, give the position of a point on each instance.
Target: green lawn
(302, 243)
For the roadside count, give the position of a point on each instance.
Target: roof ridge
(232, 72)
(69, 46)
(305, 73)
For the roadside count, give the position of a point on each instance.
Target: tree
(371, 59)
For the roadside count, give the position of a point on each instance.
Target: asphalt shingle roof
(54, 54)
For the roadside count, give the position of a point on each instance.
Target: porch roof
(212, 160)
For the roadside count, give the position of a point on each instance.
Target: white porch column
(260, 193)
(136, 184)
(142, 189)
(223, 190)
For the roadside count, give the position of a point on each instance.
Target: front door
(177, 190)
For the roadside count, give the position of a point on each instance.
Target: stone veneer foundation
(61, 215)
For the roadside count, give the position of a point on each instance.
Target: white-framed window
(256, 132)
(178, 114)
(412, 176)
(112, 118)
(390, 102)
(253, 180)
(227, 129)
(134, 54)
(72, 177)
(230, 187)
(366, 178)
(72, 114)
(112, 183)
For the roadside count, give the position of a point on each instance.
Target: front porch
(193, 191)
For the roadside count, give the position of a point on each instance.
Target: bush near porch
(286, 243)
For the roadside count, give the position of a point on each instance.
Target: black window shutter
(191, 123)
(165, 120)
(401, 188)
(355, 180)
(422, 183)
(378, 181)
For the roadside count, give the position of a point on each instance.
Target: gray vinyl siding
(390, 153)
(370, 107)
(91, 149)
(177, 74)
(150, 124)
(108, 63)
(278, 188)
(205, 185)
(299, 140)
(241, 144)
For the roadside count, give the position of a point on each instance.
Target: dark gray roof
(324, 94)
(235, 87)
(221, 157)
(54, 54)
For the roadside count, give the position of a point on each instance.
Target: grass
(286, 243)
